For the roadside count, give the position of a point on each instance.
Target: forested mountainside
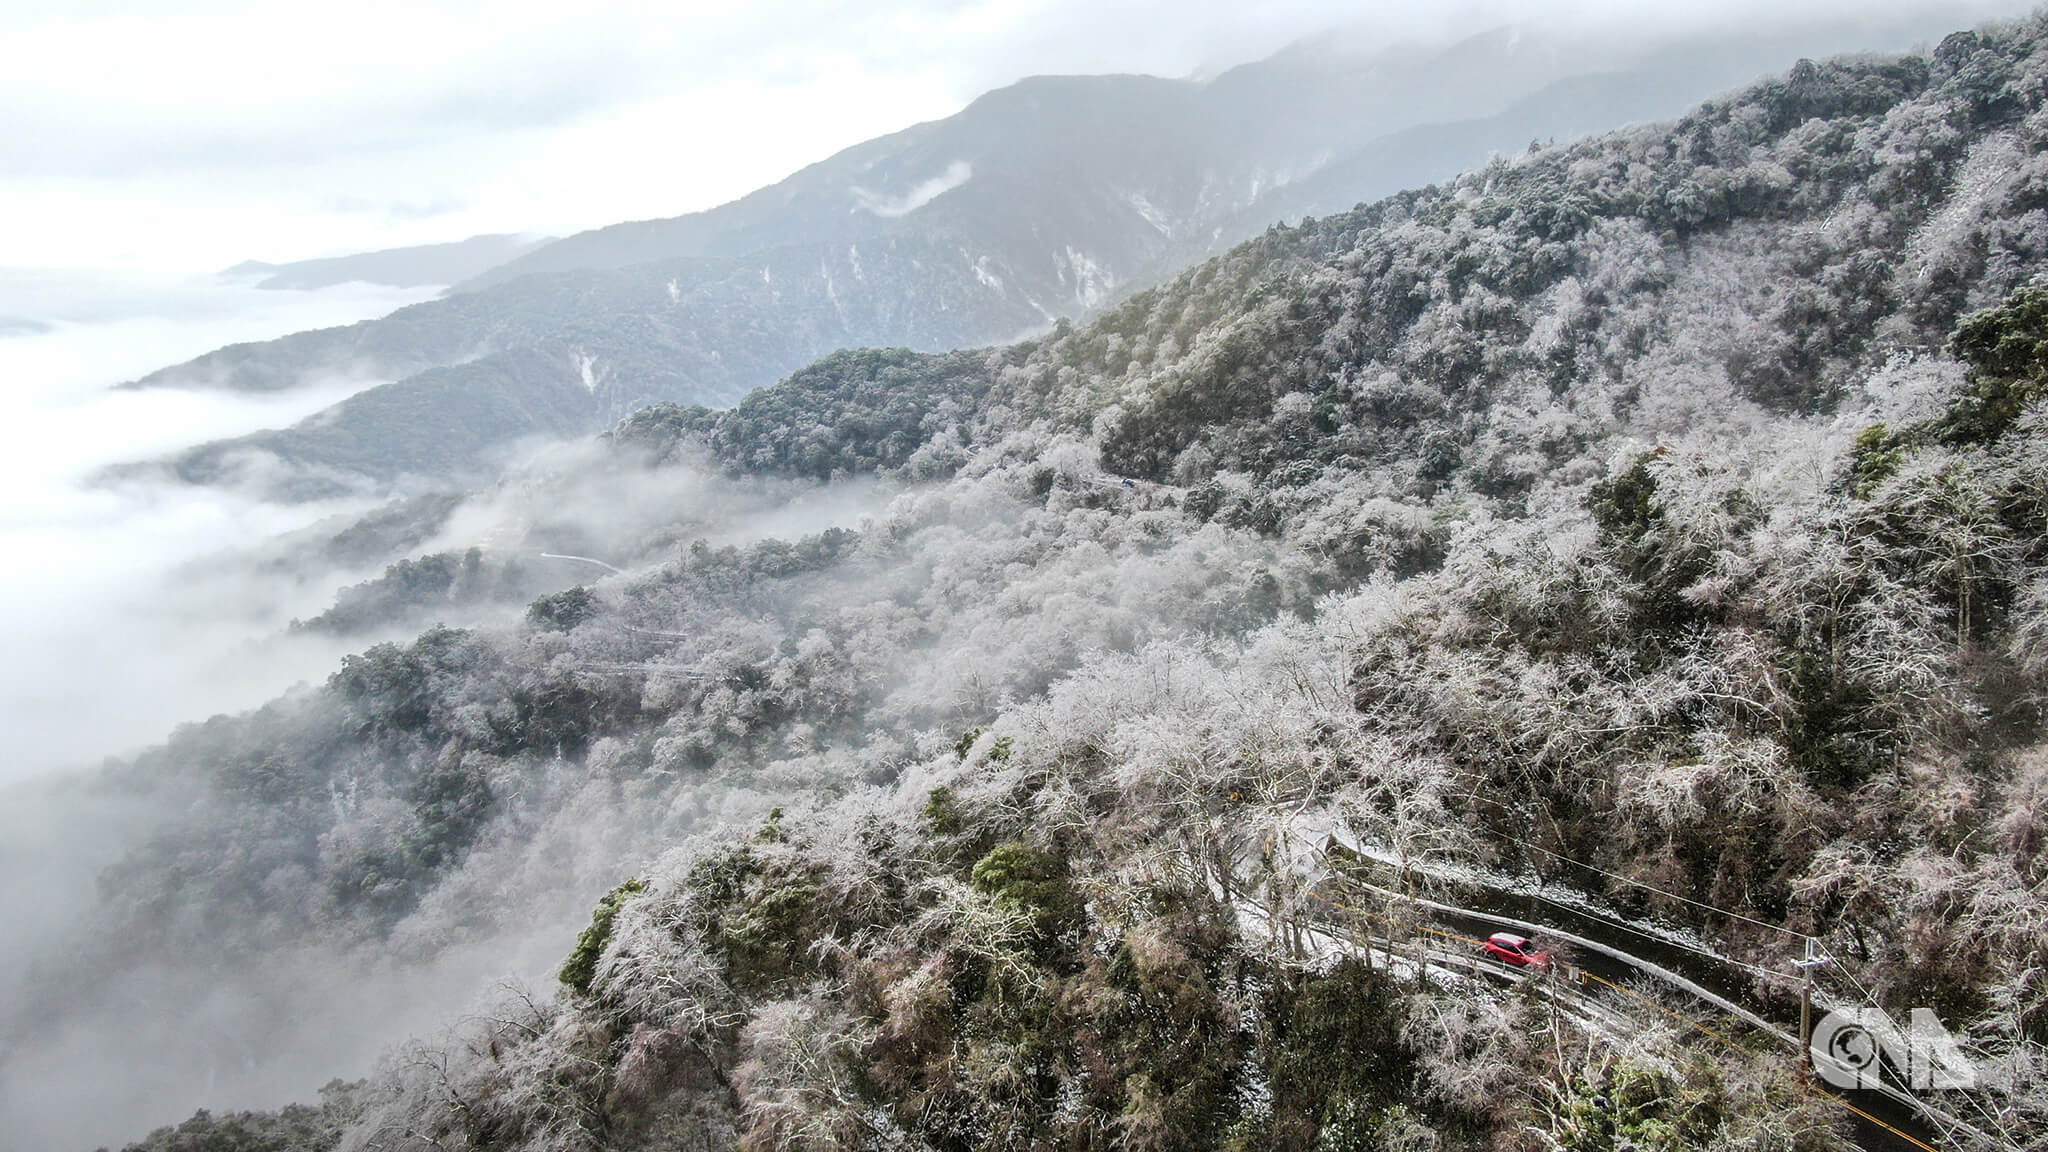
(1190, 167)
(1671, 503)
(1044, 200)
(565, 355)
(1148, 168)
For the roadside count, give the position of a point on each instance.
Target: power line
(1867, 995)
(1657, 938)
(1654, 937)
(1921, 1107)
(1659, 891)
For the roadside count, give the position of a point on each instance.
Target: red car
(1519, 951)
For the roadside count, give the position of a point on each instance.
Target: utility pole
(1813, 959)
(1806, 1021)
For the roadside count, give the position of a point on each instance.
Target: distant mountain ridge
(1184, 159)
(1045, 200)
(1622, 489)
(412, 267)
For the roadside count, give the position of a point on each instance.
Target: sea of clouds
(109, 640)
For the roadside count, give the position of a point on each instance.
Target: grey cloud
(494, 127)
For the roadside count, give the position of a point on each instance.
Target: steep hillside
(1045, 200)
(1122, 167)
(564, 356)
(1109, 166)
(1663, 516)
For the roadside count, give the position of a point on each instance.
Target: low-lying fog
(108, 647)
(140, 604)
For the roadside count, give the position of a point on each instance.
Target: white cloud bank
(108, 644)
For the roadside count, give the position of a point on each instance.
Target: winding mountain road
(1598, 980)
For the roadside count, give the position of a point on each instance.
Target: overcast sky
(191, 134)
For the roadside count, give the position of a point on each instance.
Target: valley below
(994, 642)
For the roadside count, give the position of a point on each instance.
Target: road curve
(1892, 1121)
